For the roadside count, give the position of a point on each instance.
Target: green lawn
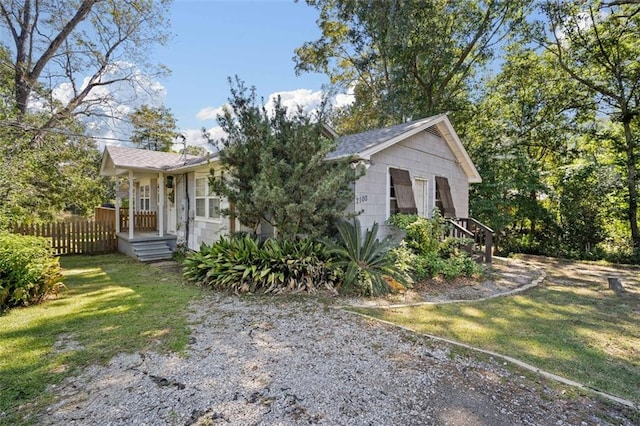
(577, 330)
(112, 304)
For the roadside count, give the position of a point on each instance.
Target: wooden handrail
(485, 239)
(461, 229)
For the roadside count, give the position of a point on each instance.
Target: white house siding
(425, 156)
(203, 230)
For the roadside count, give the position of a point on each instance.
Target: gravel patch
(286, 361)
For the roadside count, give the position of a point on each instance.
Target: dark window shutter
(444, 191)
(401, 182)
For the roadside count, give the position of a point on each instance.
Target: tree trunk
(632, 211)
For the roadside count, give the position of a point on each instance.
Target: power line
(24, 128)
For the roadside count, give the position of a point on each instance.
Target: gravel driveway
(289, 361)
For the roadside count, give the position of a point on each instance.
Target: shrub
(367, 263)
(28, 271)
(422, 235)
(242, 265)
(434, 252)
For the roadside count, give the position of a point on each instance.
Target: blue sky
(215, 39)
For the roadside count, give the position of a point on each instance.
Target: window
(401, 198)
(421, 186)
(444, 201)
(145, 198)
(207, 202)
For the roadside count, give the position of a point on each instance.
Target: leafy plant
(242, 265)
(432, 251)
(366, 262)
(422, 235)
(28, 271)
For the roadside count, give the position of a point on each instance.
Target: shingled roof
(363, 145)
(355, 144)
(116, 159)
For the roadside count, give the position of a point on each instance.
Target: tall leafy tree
(275, 168)
(37, 184)
(523, 129)
(77, 46)
(596, 44)
(153, 128)
(406, 58)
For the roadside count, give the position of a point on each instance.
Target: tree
(406, 58)
(37, 184)
(524, 130)
(77, 46)
(597, 45)
(274, 167)
(153, 128)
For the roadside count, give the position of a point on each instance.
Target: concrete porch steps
(149, 251)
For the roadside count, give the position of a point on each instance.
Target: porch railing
(143, 221)
(481, 235)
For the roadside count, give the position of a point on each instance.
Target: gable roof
(363, 145)
(118, 159)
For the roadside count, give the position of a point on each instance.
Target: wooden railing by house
(78, 237)
(481, 235)
(143, 221)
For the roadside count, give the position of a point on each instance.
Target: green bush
(242, 265)
(422, 235)
(28, 271)
(367, 263)
(431, 251)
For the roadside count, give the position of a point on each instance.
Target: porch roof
(117, 160)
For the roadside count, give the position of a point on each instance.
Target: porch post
(161, 204)
(117, 212)
(131, 218)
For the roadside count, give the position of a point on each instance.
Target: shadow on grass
(112, 304)
(579, 330)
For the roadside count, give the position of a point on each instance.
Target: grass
(573, 328)
(112, 305)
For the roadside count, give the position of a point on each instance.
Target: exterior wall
(425, 156)
(196, 230)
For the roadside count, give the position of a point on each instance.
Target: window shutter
(404, 192)
(444, 191)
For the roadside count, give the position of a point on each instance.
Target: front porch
(144, 241)
(147, 246)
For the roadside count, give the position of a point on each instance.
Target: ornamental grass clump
(29, 272)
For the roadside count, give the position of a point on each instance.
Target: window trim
(145, 195)
(208, 195)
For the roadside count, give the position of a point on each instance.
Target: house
(410, 168)
(413, 167)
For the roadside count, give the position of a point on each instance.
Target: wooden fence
(143, 221)
(79, 237)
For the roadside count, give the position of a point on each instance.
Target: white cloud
(210, 113)
(309, 100)
(194, 138)
(342, 100)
